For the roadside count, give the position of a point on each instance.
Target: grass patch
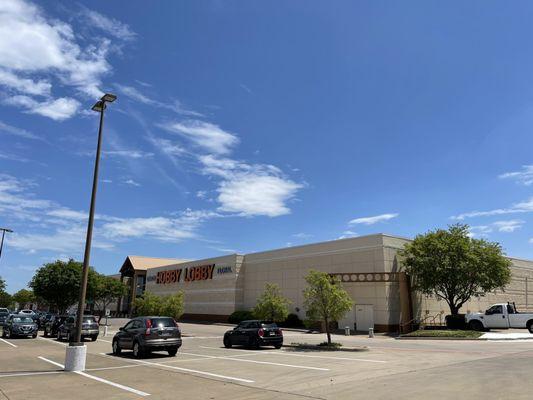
(445, 334)
(333, 345)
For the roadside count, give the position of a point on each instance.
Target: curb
(436, 338)
(321, 348)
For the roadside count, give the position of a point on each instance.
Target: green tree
(271, 305)
(2, 285)
(148, 304)
(107, 290)
(6, 300)
(173, 305)
(452, 266)
(325, 299)
(23, 297)
(58, 283)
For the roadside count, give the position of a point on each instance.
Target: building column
(406, 306)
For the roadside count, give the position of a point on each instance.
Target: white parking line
(202, 337)
(192, 371)
(30, 373)
(96, 378)
(256, 362)
(9, 343)
(103, 340)
(284, 352)
(51, 340)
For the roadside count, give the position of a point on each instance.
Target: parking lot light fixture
(76, 351)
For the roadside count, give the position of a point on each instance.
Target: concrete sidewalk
(506, 336)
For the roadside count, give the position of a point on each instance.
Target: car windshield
(163, 322)
(3, 312)
(22, 319)
(88, 320)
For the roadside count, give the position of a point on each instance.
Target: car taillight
(261, 332)
(279, 332)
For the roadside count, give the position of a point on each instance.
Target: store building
(367, 266)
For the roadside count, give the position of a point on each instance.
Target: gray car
(146, 334)
(89, 328)
(4, 313)
(19, 325)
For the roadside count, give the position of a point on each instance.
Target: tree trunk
(454, 310)
(327, 330)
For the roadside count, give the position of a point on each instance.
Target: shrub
(456, 321)
(239, 316)
(292, 321)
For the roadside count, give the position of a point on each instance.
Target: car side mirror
(121, 328)
(488, 312)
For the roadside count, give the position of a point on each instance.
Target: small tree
(2, 285)
(173, 305)
(271, 305)
(148, 304)
(452, 266)
(107, 290)
(23, 297)
(325, 299)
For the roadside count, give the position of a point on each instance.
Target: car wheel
(138, 351)
(93, 338)
(116, 348)
(7, 333)
(3, 333)
(530, 326)
(34, 335)
(254, 343)
(476, 325)
(45, 333)
(172, 351)
(278, 346)
(227, 343)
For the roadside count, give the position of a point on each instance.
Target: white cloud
(128, 153)
(523, 207)
(131, 182)
(109, 25)
(207, 136)
(25, 85)
(373, 220)
(531, 240)
(67, 213)
(508, 226)
(13, 130)
(58, 109)
(250, 189)
(137, 95)
(524, 177)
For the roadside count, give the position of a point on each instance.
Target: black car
(254, 333)
(89, 328)
(146, 334)
(19, 325)
(52, 325)
(44, 318)
(4, 313)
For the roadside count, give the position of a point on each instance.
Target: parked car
(4, 312)
(146, 334)
(19, 325)
(44, 318)
(89, 328)
(500, 316)
(52, 325)
(254, 333)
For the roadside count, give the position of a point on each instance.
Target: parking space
(203, 368)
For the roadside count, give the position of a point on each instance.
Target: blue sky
(245, 126)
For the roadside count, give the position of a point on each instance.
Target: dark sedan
(254, 334)
(19, 325)
(89, 328)
(4, 313)
(146, 334)
(52, 325)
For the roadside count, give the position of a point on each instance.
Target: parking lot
(204, 369)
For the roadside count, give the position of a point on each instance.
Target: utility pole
(4, 230)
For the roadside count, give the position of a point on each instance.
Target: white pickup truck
(500, 316)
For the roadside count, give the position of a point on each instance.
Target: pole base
(75, 357)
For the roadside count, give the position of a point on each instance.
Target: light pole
(4, 230)
(76, 351)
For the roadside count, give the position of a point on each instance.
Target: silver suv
(146, 334)
(89, 328)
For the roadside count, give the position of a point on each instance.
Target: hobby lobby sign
(199, 273)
